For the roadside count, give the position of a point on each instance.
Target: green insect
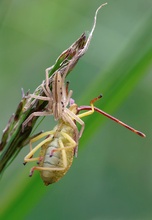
(60, 146)
(58, 149)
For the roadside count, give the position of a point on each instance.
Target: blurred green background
(112, 177)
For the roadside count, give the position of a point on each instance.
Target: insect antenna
(81, 108)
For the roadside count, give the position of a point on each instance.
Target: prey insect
(58, 149)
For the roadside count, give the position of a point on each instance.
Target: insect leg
(40, 136)
(92, 106)
(53, 168)
(71, 142)
(77, 118)
(28, 157)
